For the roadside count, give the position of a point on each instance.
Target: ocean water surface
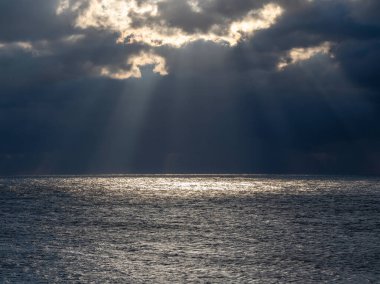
(181, 229)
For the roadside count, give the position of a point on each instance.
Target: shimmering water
(261, 229)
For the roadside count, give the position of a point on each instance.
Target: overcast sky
(189, 86)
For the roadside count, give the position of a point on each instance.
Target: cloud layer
(163, 22)
(189, 86)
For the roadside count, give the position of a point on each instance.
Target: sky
(189, 86)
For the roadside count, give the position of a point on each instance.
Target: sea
(190, 229)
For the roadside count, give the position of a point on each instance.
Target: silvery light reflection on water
(264, 229)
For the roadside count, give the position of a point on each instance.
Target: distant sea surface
(181, 229)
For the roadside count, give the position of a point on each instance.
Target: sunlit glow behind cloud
(296, 55)
(39, 48)
(144, 23)
(117, 15)
(135, 62)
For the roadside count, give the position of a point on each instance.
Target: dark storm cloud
(315, 22)
(220, 109)
(60, 60)
(23, 20)
(180, 13)
(359, 59)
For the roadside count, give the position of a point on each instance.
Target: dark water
(262, 229)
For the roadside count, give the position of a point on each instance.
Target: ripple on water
(267, 229)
